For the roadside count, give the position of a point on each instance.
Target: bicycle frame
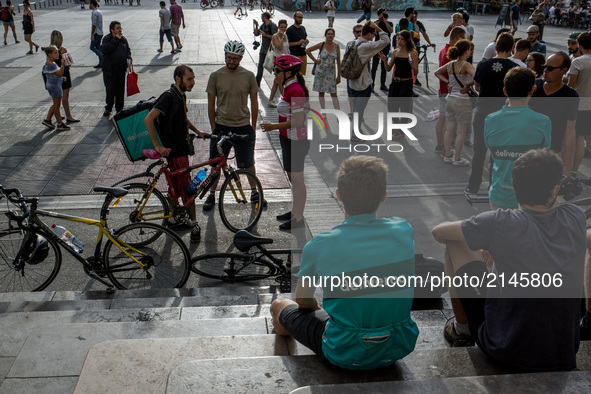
(219, 164)
(93, 268)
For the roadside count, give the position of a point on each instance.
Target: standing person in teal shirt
(363, 325)
(511, 132)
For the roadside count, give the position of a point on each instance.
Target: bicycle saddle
(243, 240)
(115, 191)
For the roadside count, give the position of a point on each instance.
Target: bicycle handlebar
(153, 154)
(20, 200)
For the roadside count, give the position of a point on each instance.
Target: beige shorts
(458, 110)
(174, 30)
(305, 60)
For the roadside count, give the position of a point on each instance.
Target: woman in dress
(405, 61)
(293, 134)
(54, 79)
(10, 22)
(57, 39)
(458, 110)
(281, 47)
(328, 68)
(29, 26)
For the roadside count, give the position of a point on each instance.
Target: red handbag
(132, 87)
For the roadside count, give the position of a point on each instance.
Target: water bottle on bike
(192, 187)
(68, 238)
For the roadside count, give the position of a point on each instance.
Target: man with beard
(228, 90)
(169, 117)
(573, 46)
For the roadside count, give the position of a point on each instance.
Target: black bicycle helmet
(39, 252)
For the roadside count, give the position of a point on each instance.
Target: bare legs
(335, 100)
(299, 194)
(66, 103)
(450, 129)
(31, 43)
(54, 110)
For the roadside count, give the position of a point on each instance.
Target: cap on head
(288, 62)
(235, 48)
(573, 36)
(533, 29)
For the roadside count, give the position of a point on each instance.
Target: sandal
(29, 53)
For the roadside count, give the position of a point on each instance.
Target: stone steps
(198, 340)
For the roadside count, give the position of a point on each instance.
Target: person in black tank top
(405, 61)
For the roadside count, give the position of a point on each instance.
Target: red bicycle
(144, 202)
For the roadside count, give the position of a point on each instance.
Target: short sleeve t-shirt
(232, 90)
(489, 51)
(508, 134)
(536, 334)
(292, 101)
(419, 27)
(96, 19)
(443, 60)
(490, 75)
(539, 47)
(363, 244)
(171, 124)
(515, 9)
(176, 14)
(330, 12)
(581, 67)
(165, 15)
(560, 106)
(296, 34)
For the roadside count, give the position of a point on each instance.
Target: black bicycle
(254, 263)
(423, 58)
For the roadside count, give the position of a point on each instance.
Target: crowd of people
(536, 146)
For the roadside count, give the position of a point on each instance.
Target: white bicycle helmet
(234, 47)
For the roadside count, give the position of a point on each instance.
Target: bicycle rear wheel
(166, 257)
(214, 3)
(133, 208)
(203, 3)
(231, 267)
(237, 210)
(27, 267)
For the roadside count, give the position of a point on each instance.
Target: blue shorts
(8, 23)
(168, 35)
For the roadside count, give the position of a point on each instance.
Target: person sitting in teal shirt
(365, 323)
(511, 132)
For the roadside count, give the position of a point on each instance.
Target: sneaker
(284, 216)
(585, 328)
(454, 339)
(62, 127)
(254, 197)
(209, 202)
(439, 149)
(448, 159)
(47, 123)
(173, 52)
(180, 47)
(418, 83)
(384, 88)
(196, 233)
(159, 50)
(291, 224)
(469, 190)
(107, 112)
(461, 162)
(272, 103)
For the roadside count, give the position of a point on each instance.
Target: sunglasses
(277, 70)
(357, 32)
(550, 68)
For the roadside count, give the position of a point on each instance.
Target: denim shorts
(8, 23)
(168, 35)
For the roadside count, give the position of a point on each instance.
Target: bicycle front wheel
(166, 258)
(29, 260)
(214, 3)
(136, 206)
(237, 208)
(203, 4)
(231, 267)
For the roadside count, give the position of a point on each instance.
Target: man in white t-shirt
(579, 78)
(331, 10)
(521, 51)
